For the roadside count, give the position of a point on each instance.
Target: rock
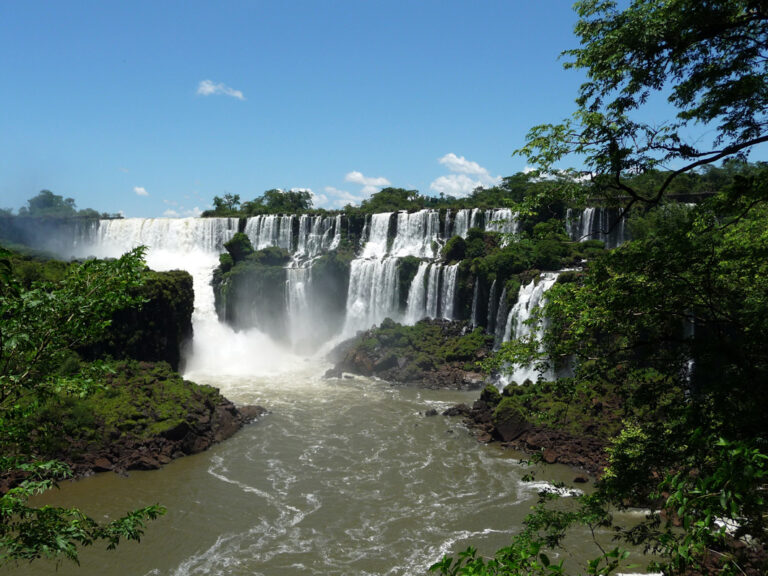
(177, 432)
(332, 373)
(580, 480)
(458, 410)
(549, 456)
(251, 413)
(101, 464)
(430, 412)
(484, 438)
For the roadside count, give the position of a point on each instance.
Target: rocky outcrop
(204, 427)
(156, 330)
(141, 416)
(433, 353)
(494, 418)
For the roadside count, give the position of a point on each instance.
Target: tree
(40, 328)
(710, 60)
(674, 322)
(227, 204)
(46, 203)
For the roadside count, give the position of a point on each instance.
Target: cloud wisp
(211, 88)
(140, 191)
(369, 184)
(466, 176)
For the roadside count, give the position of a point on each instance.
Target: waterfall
(378, 231)
(433, 291)
(490, 320)
(501, 320)
(501, 220)
(315, 235)
(474, 302)
(461, 223)
(594, 222)
(417, 293)
(447, 225)
(474, 219)
(336, 233)
(529, 299)
(177, 234)
(270, 230)
(448, 291)
(298, 281)
(373, 293)
(416, 234)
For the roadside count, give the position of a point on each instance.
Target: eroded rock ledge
(433, 353)
(141, 416)
(500, 419)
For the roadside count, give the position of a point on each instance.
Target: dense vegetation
(672, 323)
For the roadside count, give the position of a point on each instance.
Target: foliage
(41, 326)
(46, 204)
(277, 201)
(239, 247)
(708, 59)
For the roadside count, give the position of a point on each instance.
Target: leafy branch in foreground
(40, 330)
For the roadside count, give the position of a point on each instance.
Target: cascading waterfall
(448, 290)
(317, 234)
(270, 230)
(490, 321)
(461, 223)
(433, 290)
(518, 326)
(475, 296)
(298, 282)
(373, 293)
(597, 223)
(416, 304)
(416, 234)
(501, 220)
(501, 320)
(377, 236)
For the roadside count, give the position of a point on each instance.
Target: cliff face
(156, 331)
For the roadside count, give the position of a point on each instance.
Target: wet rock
(458, 410)
(430, 412)
(332, 373)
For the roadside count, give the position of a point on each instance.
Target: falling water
(417, 295)
(518, 326)
(433, 291)
(448, 291)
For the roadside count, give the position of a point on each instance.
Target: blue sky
(152, 108)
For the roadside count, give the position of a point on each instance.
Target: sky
(153, 108)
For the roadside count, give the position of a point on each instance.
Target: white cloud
(183, 212)
(340, 198)
(140, 191)
(209, 88)
(467, 176)
(370, 185)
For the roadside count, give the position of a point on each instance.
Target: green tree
(689, 290)
(710, 61)
(39, 330)
(226, 205)
(46, 203)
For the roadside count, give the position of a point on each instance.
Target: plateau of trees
(674, 322)
(46, 204)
